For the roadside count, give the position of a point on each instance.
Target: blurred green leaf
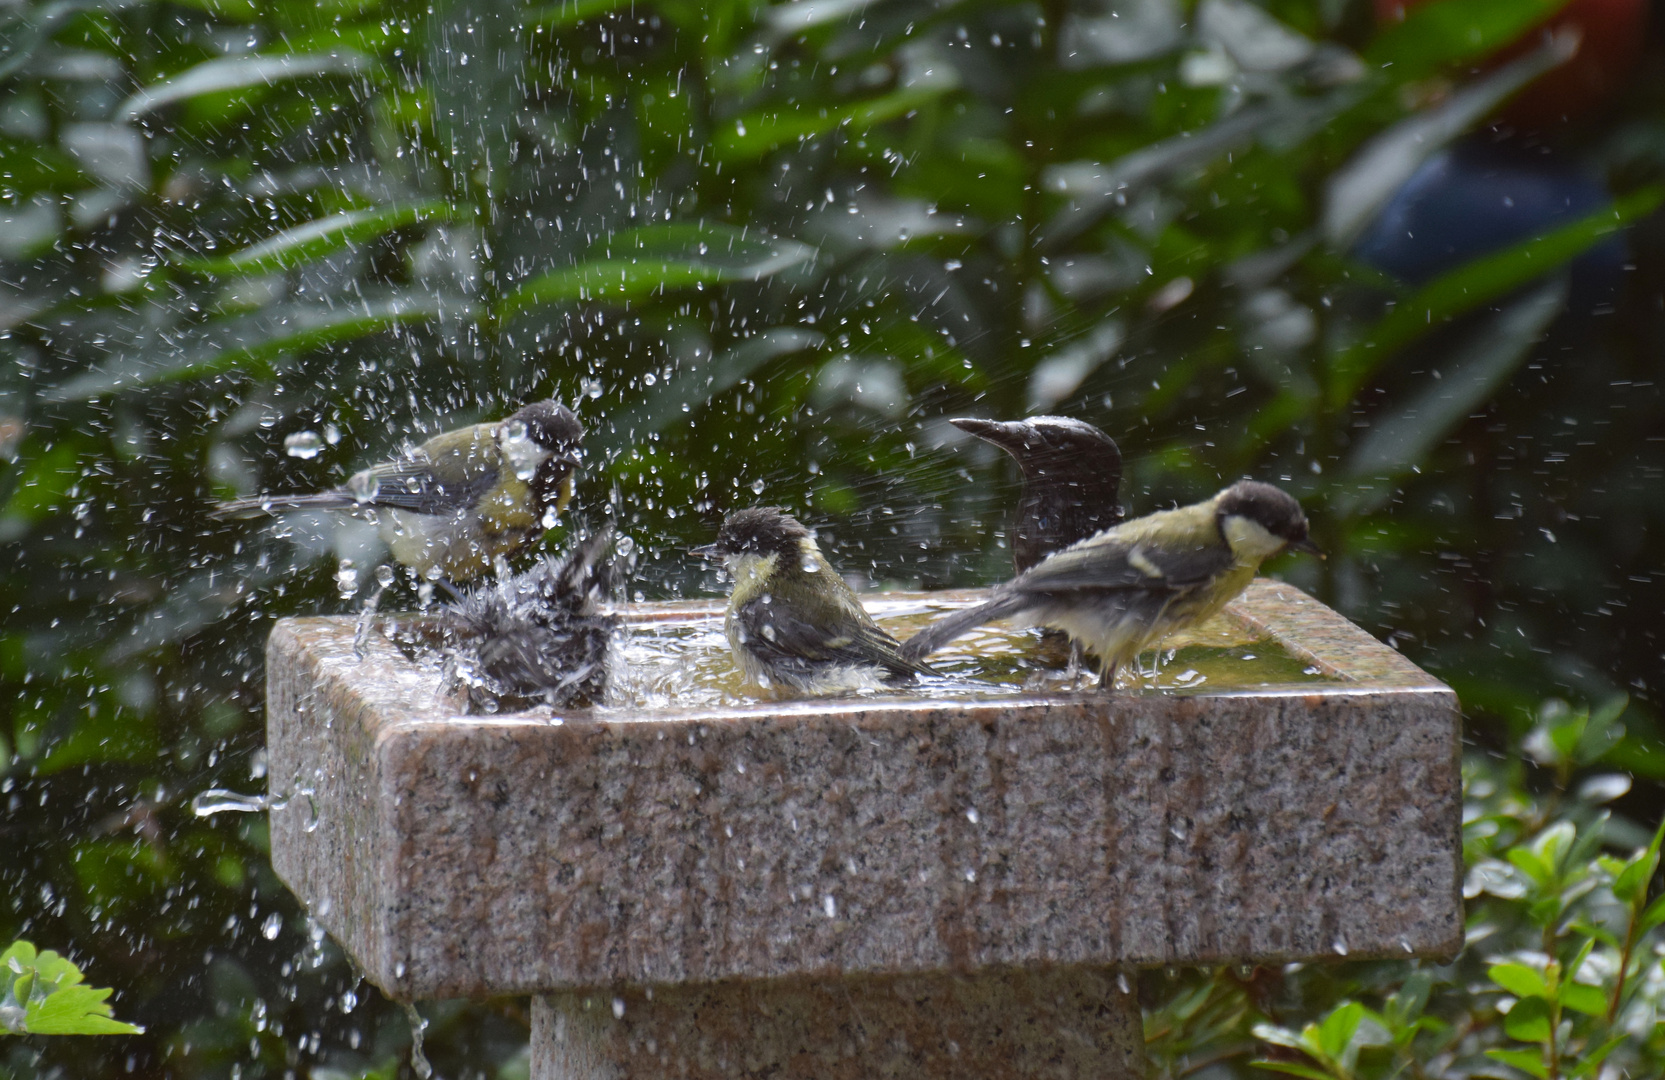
(1335, 1033)
(1487, 357)
(570, 12)
(1528, 1021)
(1527, 1061)
(1478, 282)
(1589, 1000)
(1591, 1060)
(686, 390)
(755, 134)
(241, 73)
(1518, 979)
(257, 339)
(655, 258)
(1448, 32)
(1290, 1068)
(315, 239)
(43, 995)
(1356, 192)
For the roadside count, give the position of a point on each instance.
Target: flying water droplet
(346, 579)
(618, 1008)
(219, 800)
(1339, 945)
(590, 387)
(271, 927)
(829, 904)
(521, 450)
(810, 566)
(305, 445)
(384, 575)
(332, 434)
(624, 545)
(363, 486)
(1122, 984)
(757, 487)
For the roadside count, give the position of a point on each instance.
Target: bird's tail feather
(255, 505)
(949, 627)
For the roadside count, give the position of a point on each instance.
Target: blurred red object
(1613, 32)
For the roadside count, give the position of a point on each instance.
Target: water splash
(220, 801)
(419, 1062)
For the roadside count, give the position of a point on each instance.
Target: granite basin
(867, 838)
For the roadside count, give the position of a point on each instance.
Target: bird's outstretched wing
(1112, 562)
(1098, 568)
(828, 634)
(405, 484)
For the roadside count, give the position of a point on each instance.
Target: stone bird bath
(863, 886)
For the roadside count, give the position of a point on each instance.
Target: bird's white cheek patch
(1250, 539)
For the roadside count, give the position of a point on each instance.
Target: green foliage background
(769, 250)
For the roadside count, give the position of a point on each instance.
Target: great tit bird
(1126, 588)
(792, 621)
(452, 506)
(1072, 473)
(538, 635)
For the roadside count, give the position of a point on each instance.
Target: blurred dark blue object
(1475, 198)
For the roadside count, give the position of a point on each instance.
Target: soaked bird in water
(452, 506)
(1072, 473)
(792, 621)
(1126, 588)
(539, 636)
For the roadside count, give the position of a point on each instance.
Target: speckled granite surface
(1063, 1024)
(463, 856)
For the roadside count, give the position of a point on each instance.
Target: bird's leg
(1072, 670)
(1107, 677)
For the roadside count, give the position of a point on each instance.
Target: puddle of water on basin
(686, 663)
(683, 662)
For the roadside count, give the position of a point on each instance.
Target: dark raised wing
(829, 634)
(412, 484)
(1116, 563)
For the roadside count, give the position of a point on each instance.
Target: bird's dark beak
(1006, 434)
(706, 551)
(1306, 547)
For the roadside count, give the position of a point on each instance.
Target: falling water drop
(346, 579)
(364, 486)
(305, 445)
(757, 486)
(419, 1063)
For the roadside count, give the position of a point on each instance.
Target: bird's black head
(760, 530)
(1272, 509)
(552, 426)
(1045, 445)
(1072, 477)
